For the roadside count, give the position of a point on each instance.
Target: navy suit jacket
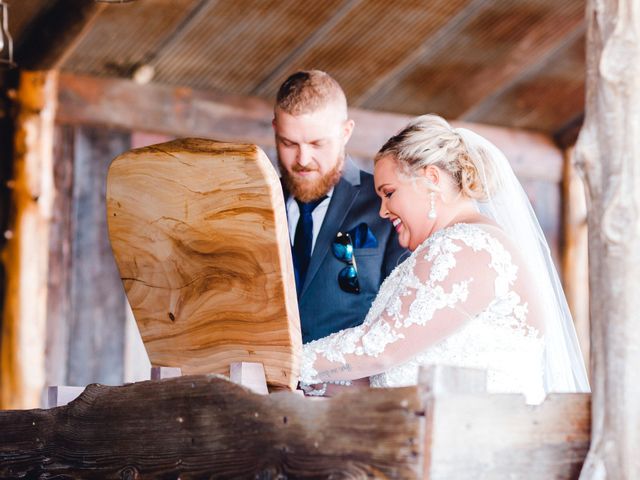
(324, 307)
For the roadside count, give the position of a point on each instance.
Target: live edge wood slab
(205, 427)
(199, 233)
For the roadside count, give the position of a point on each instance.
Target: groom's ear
(347, 129)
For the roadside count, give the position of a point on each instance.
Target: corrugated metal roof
(516, 63)
(238, 42)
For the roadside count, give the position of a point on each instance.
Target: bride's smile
(404, 203)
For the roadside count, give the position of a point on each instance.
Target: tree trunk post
(608, 154)
(26, 254)
(575, 265)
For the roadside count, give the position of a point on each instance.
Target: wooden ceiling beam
(187, 112)
(53, 35)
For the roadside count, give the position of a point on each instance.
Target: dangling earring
(432, 210)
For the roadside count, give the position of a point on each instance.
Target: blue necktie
(303, 240)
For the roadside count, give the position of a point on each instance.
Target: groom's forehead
(309, 127)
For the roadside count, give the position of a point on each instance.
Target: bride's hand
(332, 389)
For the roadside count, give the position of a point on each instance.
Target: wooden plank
(97, 321)
(199, 233)
(187, 112)
(607, 155)
(60, 258)
(207, 427)
(472, 434)
(200, 425)
(498, 436)
(53, 35)
(26, 254)
(249, 375)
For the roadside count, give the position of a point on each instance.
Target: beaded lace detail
(456, 301)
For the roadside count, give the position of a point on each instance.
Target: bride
(479, 288)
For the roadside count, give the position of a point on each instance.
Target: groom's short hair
(308, 91)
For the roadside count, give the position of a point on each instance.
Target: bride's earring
(432, 210)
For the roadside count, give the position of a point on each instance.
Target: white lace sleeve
(442, 285)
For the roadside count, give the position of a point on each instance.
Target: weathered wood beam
(607, 154)
(471, 434)
(208, 427)
(187, 112)
(446, 427)
(26, 254)
(53, 35)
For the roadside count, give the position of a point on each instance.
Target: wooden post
(575, 265)
(96, 323)
(26, 253)
(608, 153)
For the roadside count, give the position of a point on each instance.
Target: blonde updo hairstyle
(430, 140)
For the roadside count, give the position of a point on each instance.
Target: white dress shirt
(318, 214)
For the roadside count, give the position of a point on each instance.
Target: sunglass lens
(348, 279)
(344, 253)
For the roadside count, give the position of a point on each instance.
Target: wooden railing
(207, 427)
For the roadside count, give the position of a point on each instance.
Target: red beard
(310, 190)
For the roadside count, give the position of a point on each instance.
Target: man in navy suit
(326, 197)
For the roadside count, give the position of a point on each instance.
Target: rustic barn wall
(60, 259)
(86, 306)
(96, 329)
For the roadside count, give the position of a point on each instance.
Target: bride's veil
(509, 207)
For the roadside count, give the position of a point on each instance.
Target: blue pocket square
(363, 237)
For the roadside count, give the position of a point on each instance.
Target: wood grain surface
(204, 427)
(25, 256)
(199, 233)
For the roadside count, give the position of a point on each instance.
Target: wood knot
(129, 473)
(172, 317)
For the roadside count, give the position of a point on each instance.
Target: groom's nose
(304, 156)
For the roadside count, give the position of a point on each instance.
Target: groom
(326, 194)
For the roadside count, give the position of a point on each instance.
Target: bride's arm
(450, 284)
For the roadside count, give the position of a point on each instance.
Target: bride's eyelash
(388, 194)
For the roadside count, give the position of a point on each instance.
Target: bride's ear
(432, 174)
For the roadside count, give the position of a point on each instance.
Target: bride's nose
(384, 212)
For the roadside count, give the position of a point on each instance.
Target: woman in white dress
(479, 288)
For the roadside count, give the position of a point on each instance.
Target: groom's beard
(310, 190)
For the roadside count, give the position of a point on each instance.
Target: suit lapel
(344, 194)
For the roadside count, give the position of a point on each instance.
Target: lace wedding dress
(463, 298)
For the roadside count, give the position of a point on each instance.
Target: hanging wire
(6, 42)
